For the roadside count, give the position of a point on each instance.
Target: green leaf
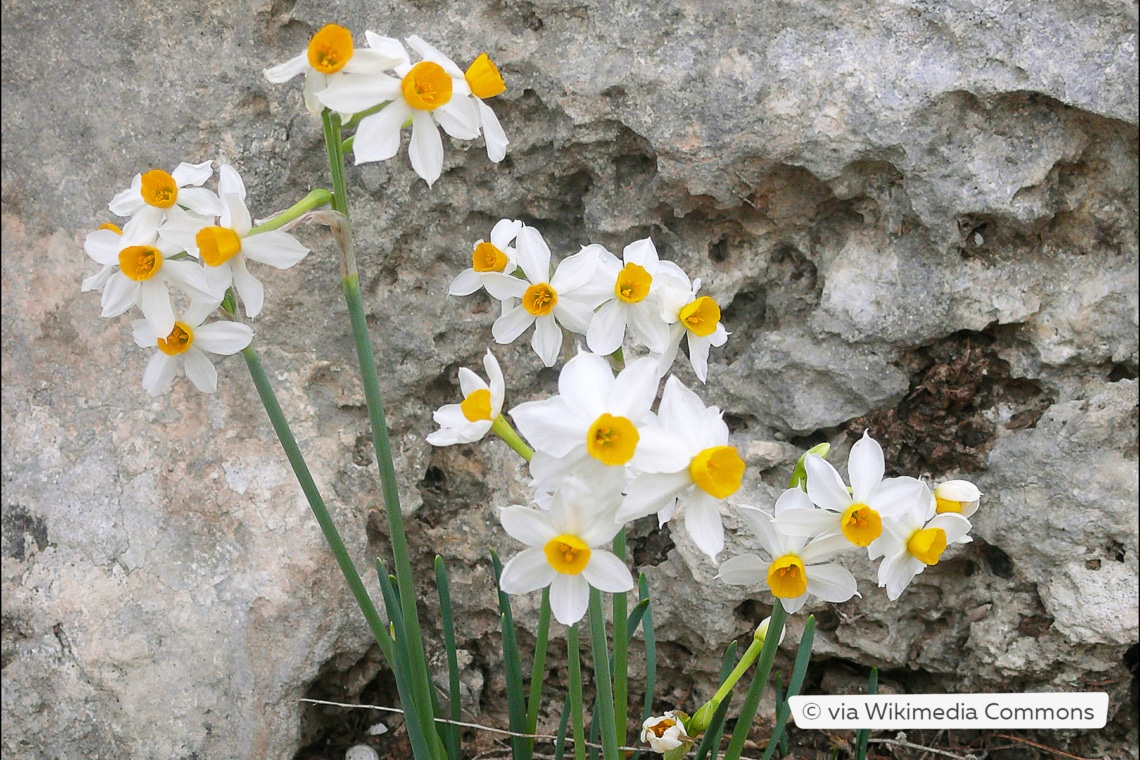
(864, 734)
(516, 704)
(443, 586)
(759, 681)
(783, 709)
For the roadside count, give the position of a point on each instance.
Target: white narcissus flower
(143, 274)
(958, 496)
(915, 540)
(696, 318)
(543, 301)
(564, 551)
(796, 568)
(224, 248)
(634, 299)
(598, 422)
(664, 733)
(470, 420)
(713, 470)
(486, 82)
(186, 345)
(495, 255)
(156, 195)
(859, 513)
(329, 51)
(433, 91)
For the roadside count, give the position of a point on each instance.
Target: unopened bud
(762, 630)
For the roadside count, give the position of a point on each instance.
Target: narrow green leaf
(635, 616)
(864, 734)
(602, 681)
(443, 586)
(759, 681)
(512, 665)
(401, 667)
(783, 709)
(650, 646)
(575, 671)
(538, 667)
(560, 734)
(621, 651)
(710, 742)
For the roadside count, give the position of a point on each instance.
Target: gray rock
(859, 186)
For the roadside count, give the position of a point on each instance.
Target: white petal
(569, 598)
(761, 524)
(389, 47)
(511, 325)
(504, 286)
(223, 338)
(745, 570)
(160, 370)
(465, 283)
(98, 280)
(894, 496)
(607, 328)
(200, 370)
(192, 174)
(683, 411)
(865, 467)
(200, 200)
(497, 382)
(547, 340)
(154, 301)
(372, 61)
(103, 246)
(533, 255)
(378, 136)
(660, 450)
(143, 334)
(606, 572)
(526, 571)
(699, 356)
(575, 271)
(548, 427)
(530, 526)
(198, 311)
(644, 321)
(426, 148)
(493, 133)
(896, 572)
(641, 252)
(824, 548)
(702, 522)
(651, 493)
(283, 72)
(824, 485)
(248, 287)
(954, 525)
(118, 295)
(791, 498)
(504, 233)
(129, 201)
(430, 53)
(808, 522)
(356, 93)
(635, 389)
(459, 118)
(585, 385)
(792, 606)
(573, 315)
(189, 277)
(275, 248)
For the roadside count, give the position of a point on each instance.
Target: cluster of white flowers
(385, 90)
(603, 457)
(184, 236)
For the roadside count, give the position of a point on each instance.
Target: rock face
(919, 217)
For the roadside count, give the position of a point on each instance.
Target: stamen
(861, 524)
(427, 86)
(330, 49)
(539, 299)
(701, 316)
(477, 406)
(180, 339)
(927, 545)
(484, 79)
(786, 577)
(487, 258)
(612, 440)
(717, 471)
(632, 284)
(159, 189)
(567, 554)
(661, 726)
(140, 262)
(217, 245)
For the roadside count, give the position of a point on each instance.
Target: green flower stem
(342, 233)
(575, 675)
(759, 680)
(701, 718)
(331, 123)
(510, 436)
(359, 117)
(538, 667)
(301, 470)
(602, 682)
(621, 650)
(318, 197)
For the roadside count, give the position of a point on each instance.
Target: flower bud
(960, 496)
(665, 733)
(762, 630)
